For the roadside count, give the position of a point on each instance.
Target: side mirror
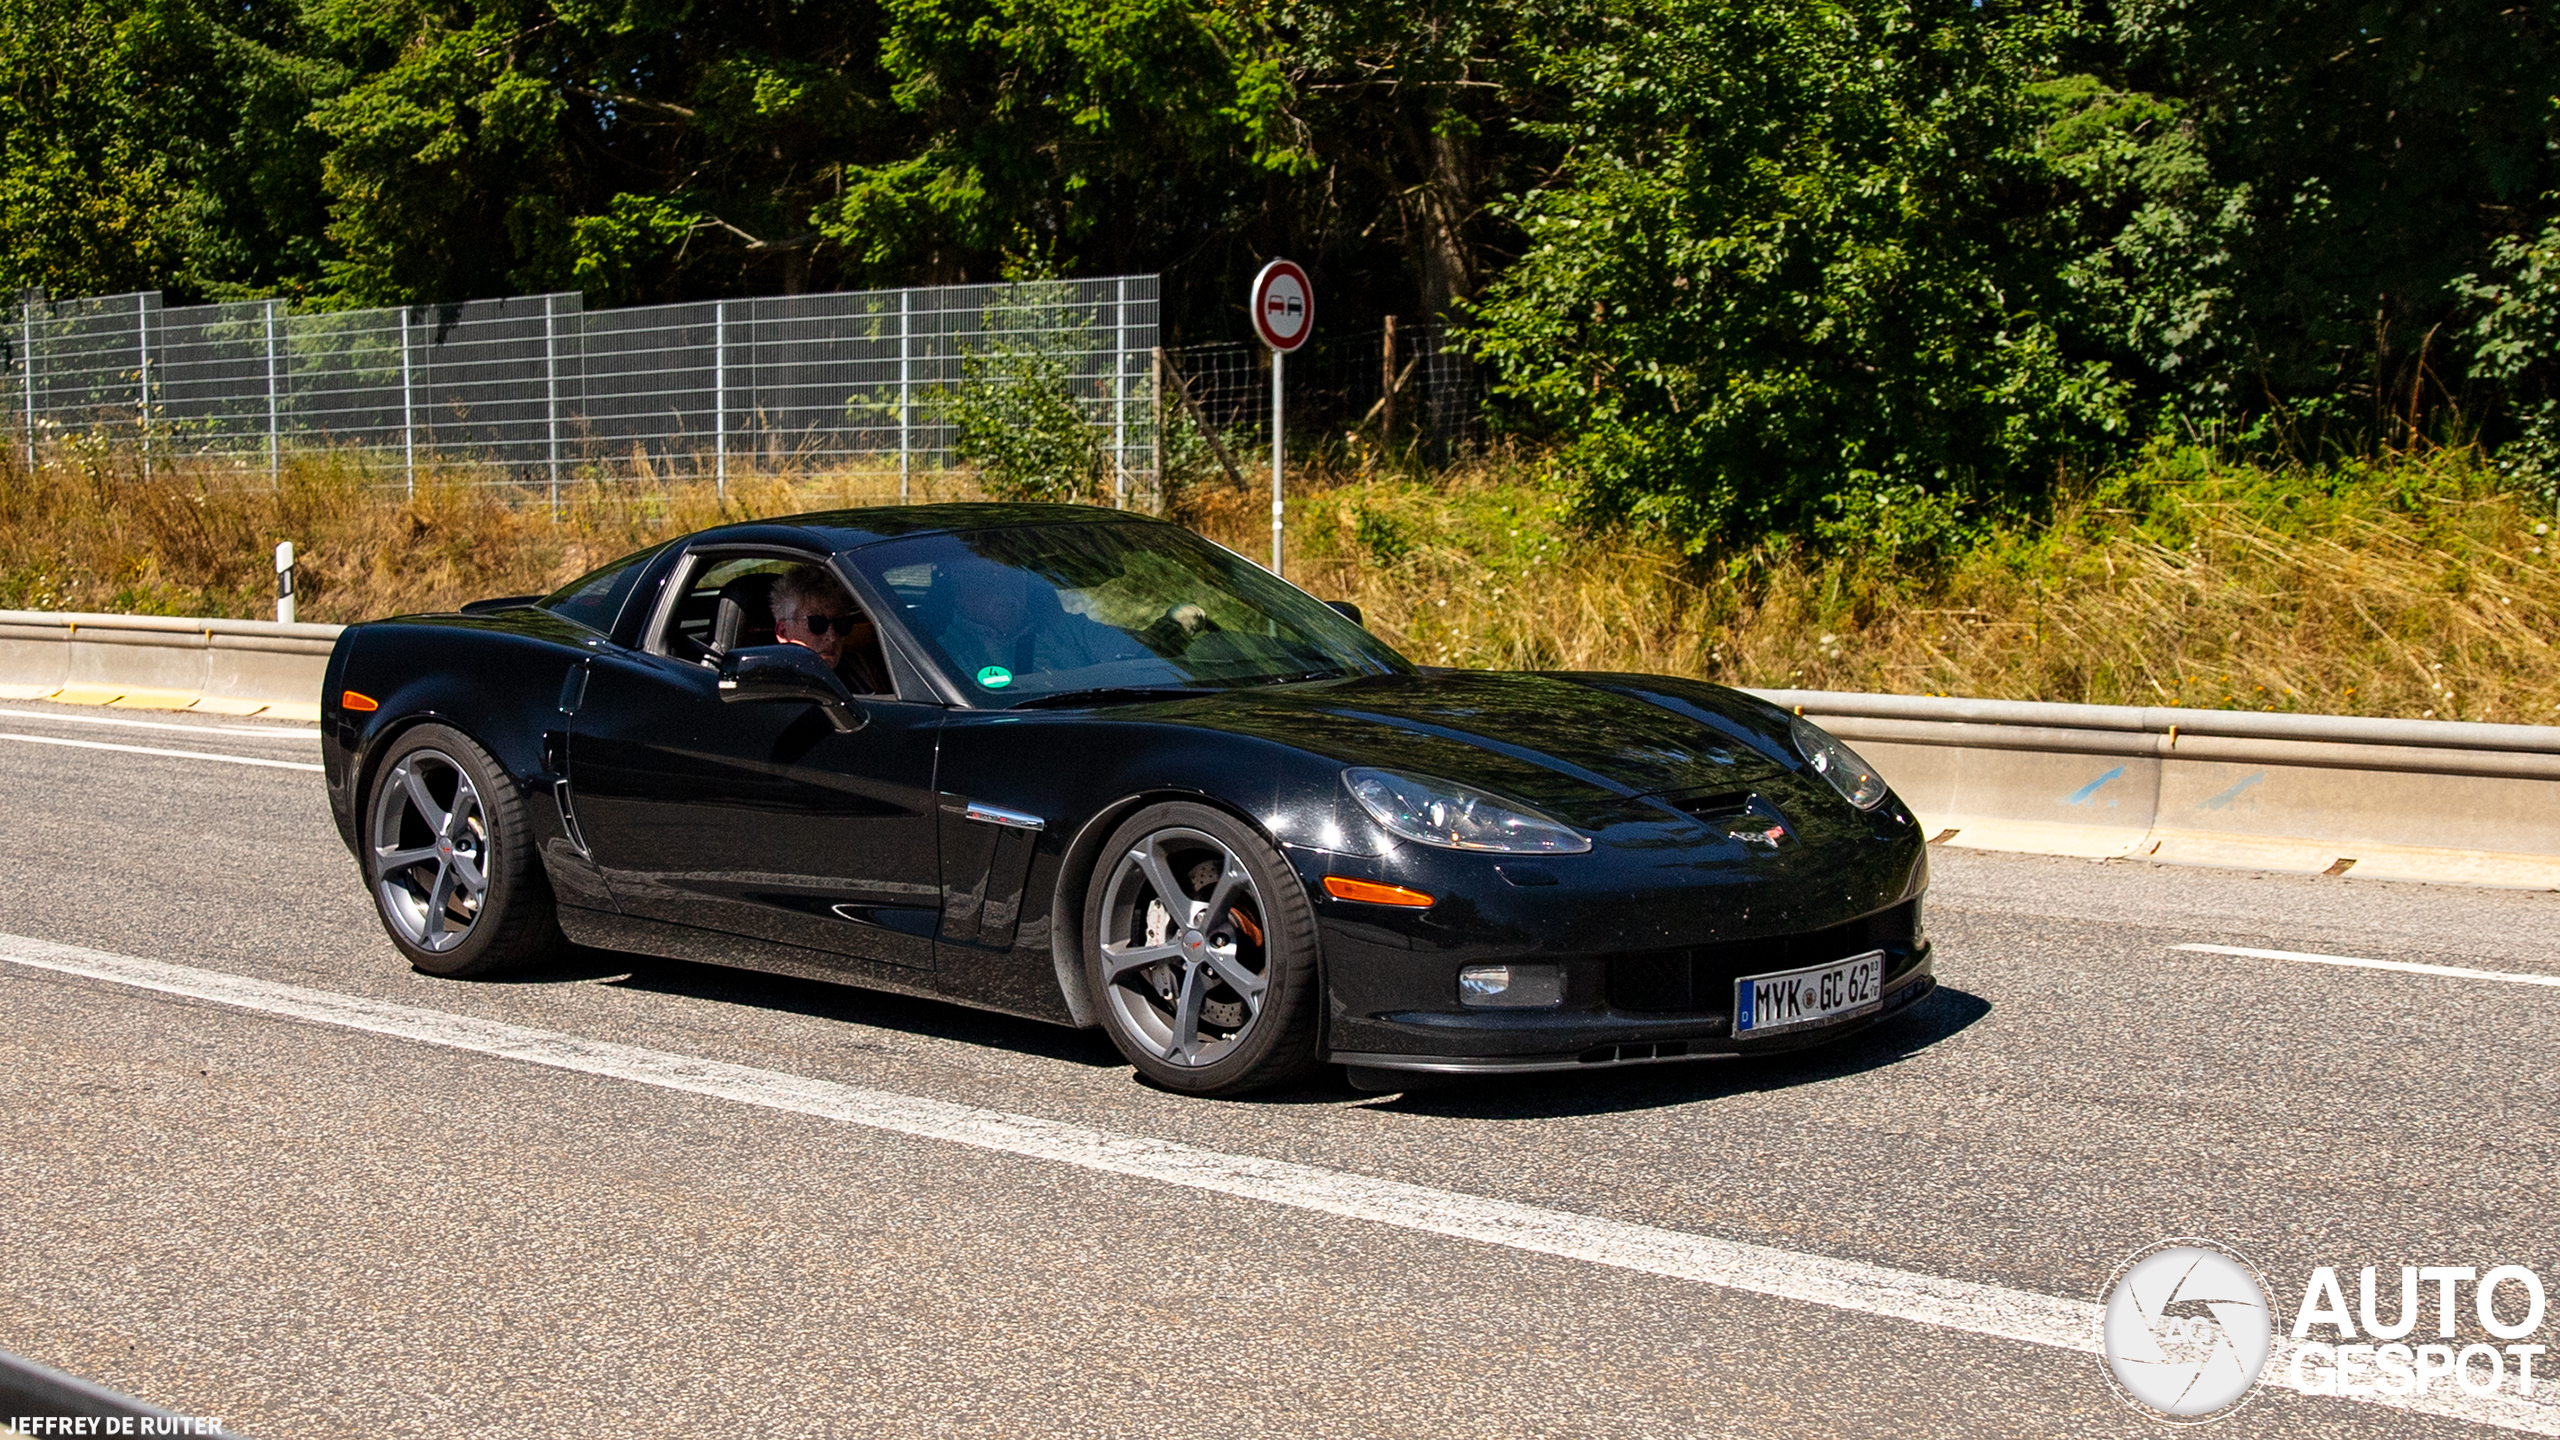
(788, 673)
(1347, 611)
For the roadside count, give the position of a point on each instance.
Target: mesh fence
(1410, 383)
(538, 387)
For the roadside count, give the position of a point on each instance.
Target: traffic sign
(1284, 306)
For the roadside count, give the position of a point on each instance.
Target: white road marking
(2405, 967)
(1853, 1285)
(155, 750)
(261, 732)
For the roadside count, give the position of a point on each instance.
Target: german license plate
(1794, 999)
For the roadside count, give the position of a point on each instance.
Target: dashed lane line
(2050, 1321)
(2358, 962)
(304, 734)
(214, 755)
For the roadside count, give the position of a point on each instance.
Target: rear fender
(500, 688)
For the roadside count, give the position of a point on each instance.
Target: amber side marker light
(358, 700)
(1372, 893)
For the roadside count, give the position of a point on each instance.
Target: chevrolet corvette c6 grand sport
(1085, 766)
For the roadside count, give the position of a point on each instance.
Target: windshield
(1025, 612)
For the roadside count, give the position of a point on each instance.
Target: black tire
(440, 811)
(1146, 966)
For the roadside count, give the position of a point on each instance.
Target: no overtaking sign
(1284, 306)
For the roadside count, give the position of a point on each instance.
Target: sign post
(1284, 314)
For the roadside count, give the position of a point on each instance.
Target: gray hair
(805, 583)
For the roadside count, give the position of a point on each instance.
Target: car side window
(595, 599)
(694, 623)
(728, 604)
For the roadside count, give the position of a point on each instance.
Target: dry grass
(87, 531)
(2415, 588)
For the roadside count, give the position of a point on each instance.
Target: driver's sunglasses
(819, 625)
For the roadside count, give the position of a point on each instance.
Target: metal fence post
(142, 343)
(720, 398)
(551, 393)
(1120, 395)
(275, 451)
(27, 371)
(906, 310)
(408, 411)
(1155, 429)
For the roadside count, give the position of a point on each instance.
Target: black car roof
(840, 530)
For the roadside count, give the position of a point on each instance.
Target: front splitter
(1660, 1052)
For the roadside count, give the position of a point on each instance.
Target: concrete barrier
(165, 662)
(2434, 800)
(2427, 800)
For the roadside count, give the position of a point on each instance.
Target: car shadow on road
(1644, 1087)
(880, 1009)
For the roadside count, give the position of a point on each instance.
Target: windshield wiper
(1111, 695)
(1294, 679)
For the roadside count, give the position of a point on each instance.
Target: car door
(757, 820)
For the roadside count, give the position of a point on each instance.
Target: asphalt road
(311, 1229)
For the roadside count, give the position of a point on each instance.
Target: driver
(811, 610)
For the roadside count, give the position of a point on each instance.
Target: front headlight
(1855, 779)
(1457, 817)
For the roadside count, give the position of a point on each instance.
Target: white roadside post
(284, 582)
(1284, 314)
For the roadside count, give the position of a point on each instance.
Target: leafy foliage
(1015, 416)
(2518, 335)
(1868, 271)
(1785, 266)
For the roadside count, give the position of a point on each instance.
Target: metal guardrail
(2166, 721)
(32, 1394)
(2426, 800)
(2404, 799)
(236, 667)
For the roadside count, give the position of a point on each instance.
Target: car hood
(1576, 746)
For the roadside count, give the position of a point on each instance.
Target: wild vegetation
(1761, 271)
(2422, 587)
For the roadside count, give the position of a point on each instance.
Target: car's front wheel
(1200, 948)
(449, 858)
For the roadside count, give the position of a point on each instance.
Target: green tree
(145, 145)
(1092, 134)
(1789, 267)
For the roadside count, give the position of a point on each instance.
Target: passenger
(1000, 617)
(811, 609)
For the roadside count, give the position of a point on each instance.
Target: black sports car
(1088, 767)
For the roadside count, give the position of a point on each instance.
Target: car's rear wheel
(1200, 948)
(449, 858)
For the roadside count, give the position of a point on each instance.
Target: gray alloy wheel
(430, 850)
(1202, 953)
(448, 854)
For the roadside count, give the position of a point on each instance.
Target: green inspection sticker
(995, 677)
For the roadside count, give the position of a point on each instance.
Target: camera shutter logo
(2188, 1327)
